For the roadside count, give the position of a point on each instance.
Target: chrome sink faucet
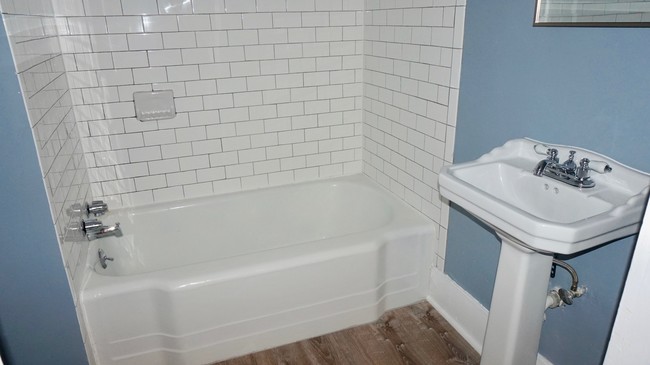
(551, 159)
(94, 229)
(568, 172)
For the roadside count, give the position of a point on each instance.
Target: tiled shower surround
(411, 77)
(268, 92)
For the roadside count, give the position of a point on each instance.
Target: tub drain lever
(103, 258)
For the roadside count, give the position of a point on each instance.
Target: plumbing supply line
(571, 270)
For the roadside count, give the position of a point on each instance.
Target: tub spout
(95, 229)
(110, 231)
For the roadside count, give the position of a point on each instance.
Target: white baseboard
(462, 310)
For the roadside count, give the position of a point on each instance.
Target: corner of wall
(33, 36)
(412, 61)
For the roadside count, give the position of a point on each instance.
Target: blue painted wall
(588, 87)
(38, 324)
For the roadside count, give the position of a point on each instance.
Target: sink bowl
(547, 215)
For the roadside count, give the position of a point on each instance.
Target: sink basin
(547, 215)
(536, 217)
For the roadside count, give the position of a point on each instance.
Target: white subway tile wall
(412, 59)
(32, 32)
(267, 92)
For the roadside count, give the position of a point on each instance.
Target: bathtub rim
(151, 207)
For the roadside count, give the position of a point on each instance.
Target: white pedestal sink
(537, 217)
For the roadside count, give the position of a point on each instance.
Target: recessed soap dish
(154, 105)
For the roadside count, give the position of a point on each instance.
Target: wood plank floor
(413, 335)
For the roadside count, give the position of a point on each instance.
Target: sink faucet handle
(600, 167)
(572, 155)
(582, 172)
(541, 149)
(570, 164)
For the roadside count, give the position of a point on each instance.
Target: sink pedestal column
(518, 304)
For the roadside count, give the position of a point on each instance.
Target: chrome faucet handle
(582, 171)
(97, 208)
(600, 167)
(91, 227)
(541, 149)
(572, 155)
(570, 164)
(587, 165)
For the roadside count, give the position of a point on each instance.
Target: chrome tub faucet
(94, 229)
(81, 225)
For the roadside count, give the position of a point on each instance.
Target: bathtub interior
(210, 311)
(163, 236)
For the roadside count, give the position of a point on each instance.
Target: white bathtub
(198, 281)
